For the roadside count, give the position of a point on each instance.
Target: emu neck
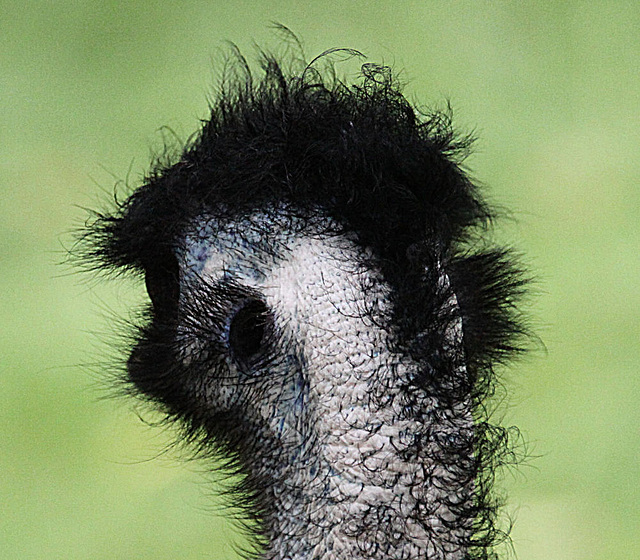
(374, 487)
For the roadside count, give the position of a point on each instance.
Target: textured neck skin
(347, 457)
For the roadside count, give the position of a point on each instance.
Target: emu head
(319, 318)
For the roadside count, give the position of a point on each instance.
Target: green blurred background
(551, 89)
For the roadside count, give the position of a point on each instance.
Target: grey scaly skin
(322, 317)
(348, 468)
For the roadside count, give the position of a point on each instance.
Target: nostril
(162, 283)
(248, 332)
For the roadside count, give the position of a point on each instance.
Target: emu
(326, 313)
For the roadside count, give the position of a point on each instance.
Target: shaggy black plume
(390, 176)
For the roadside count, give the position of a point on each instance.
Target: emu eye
(248, 333)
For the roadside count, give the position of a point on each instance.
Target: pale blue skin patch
(247, 248)
(219, 252)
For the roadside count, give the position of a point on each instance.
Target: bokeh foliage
(551, 89)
